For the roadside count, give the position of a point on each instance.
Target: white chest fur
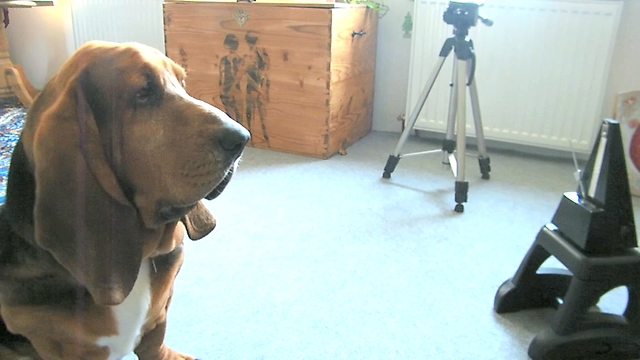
(130, 317)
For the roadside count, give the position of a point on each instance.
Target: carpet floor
(11, 123)
(324, 259)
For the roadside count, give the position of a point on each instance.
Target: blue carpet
(11, 122)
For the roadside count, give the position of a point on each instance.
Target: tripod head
(464, 15)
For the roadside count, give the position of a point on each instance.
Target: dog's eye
(144, 94)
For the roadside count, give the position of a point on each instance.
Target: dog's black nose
(233, 139)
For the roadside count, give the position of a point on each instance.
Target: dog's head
(117, 153)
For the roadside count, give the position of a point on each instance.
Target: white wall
(625, 65)
(392, 67)
(41, 39)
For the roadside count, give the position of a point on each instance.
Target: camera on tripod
(464, 14)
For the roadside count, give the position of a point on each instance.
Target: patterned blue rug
(11, 122)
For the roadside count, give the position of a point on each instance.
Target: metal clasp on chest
(241, 16)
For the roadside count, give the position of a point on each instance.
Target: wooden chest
(300, 78)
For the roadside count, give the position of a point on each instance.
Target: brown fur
(110, 169)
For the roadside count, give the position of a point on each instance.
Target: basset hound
(111, 168)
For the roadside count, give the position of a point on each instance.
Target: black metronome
(599, 217)
(593, 234)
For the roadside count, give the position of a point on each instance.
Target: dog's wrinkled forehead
(129, 65)
(127, 76)
(150, 63)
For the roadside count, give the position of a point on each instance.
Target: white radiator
(541, 72)
(118, 20)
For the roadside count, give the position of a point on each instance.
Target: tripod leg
(462, 186)
(483, 158)
(394, 158)
(449, 144)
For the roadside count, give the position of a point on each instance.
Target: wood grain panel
(291, 50)
(352, 76)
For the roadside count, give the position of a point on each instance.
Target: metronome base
(574, 293)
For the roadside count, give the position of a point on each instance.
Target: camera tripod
(463, 75)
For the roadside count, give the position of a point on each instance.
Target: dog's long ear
(20, 197)
(199, 222)
(81, 214)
